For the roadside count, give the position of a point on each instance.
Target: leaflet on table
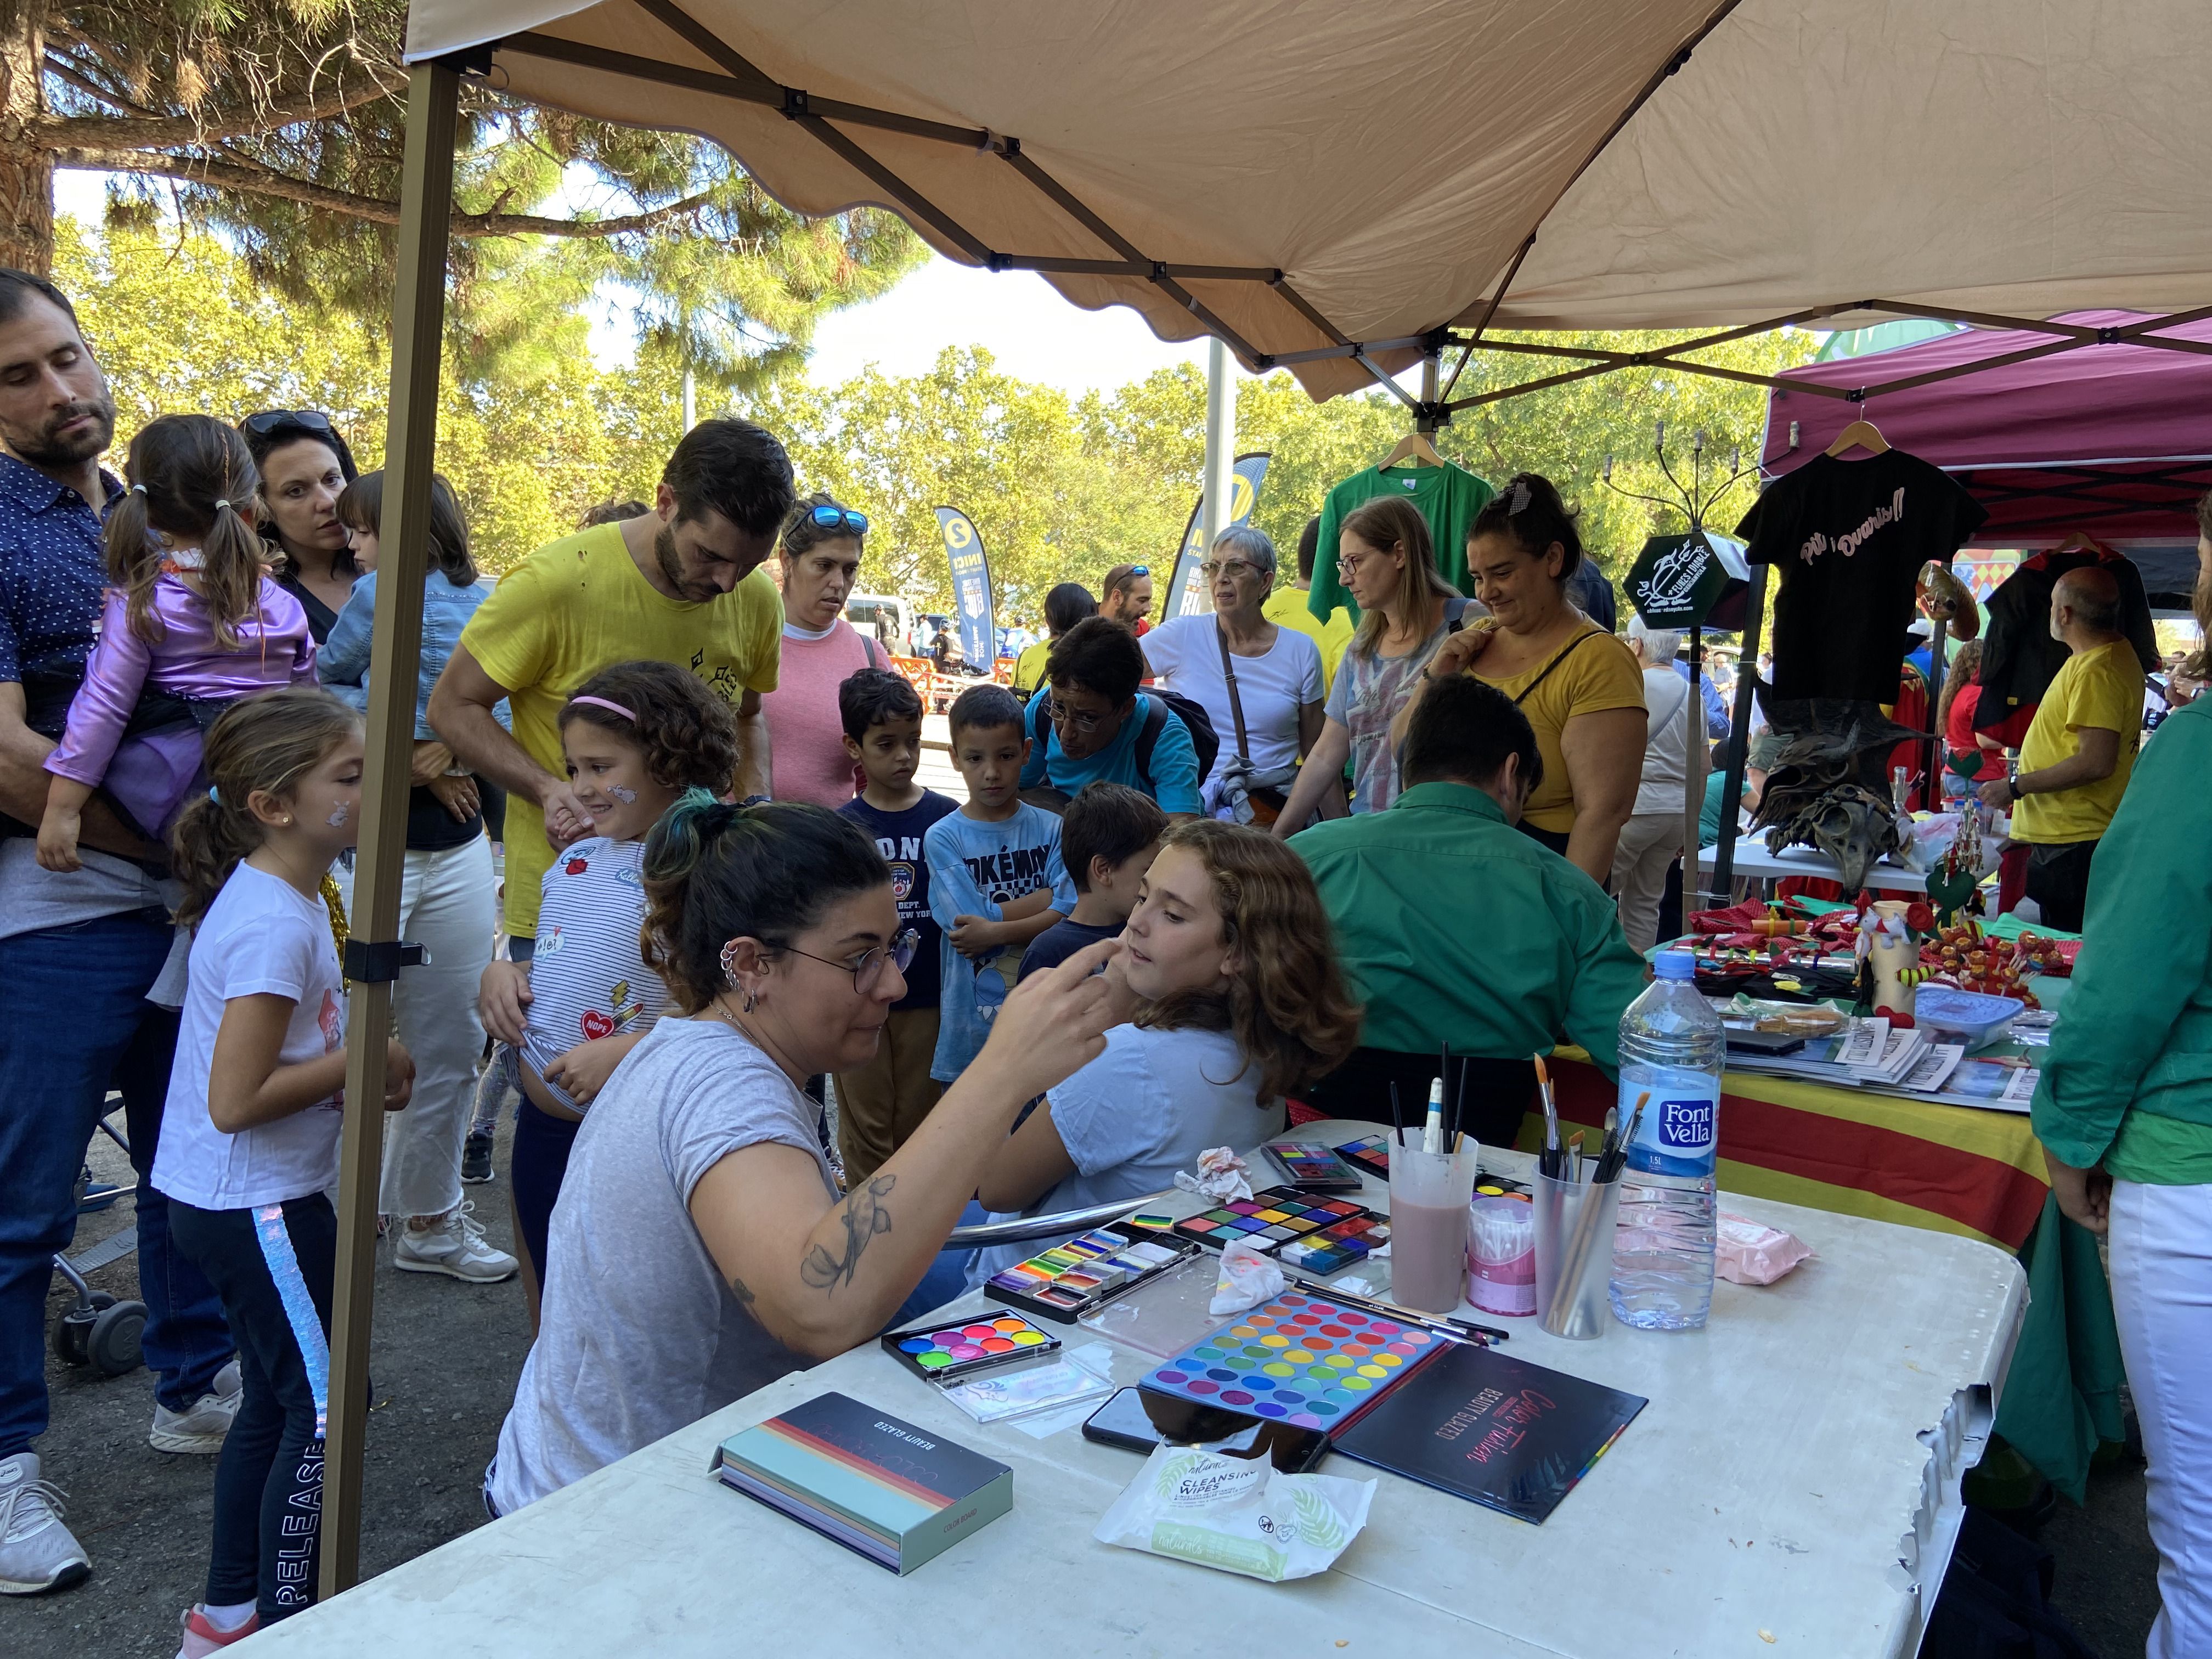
(1925, 1069)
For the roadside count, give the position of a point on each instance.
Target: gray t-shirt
(640, 1335)
(1142, 1110)
(32, 899)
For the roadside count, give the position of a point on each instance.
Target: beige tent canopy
(1340, 190)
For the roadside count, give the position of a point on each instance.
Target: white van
(885, 619)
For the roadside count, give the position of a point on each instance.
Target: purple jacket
(273, 650)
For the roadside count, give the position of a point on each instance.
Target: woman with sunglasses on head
(701, 1248)
(304, 467)
(818, 557)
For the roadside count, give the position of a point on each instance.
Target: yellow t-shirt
(1029, 667)
(579, 605)
(2102, 687)
(1593, 676)
(1286, 608)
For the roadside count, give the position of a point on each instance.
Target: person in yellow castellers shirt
(1285, 606)
(681, 585)
(1065, 606)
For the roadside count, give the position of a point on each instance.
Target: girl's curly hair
(687, 735)
(1287, 1007)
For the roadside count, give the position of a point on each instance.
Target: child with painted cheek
(636, 737)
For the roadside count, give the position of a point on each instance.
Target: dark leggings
(273, 1267)
(542, 1144)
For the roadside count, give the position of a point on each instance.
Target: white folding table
(1791, 1489)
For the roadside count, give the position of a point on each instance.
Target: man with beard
(682, 584)
(88, 991)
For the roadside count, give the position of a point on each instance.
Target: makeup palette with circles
(952, 1353)
(1301, 1358)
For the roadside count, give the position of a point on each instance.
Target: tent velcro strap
(367, 963)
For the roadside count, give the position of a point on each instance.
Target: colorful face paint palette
(951, 1353)
(1073, 1278)
(1306, 1229)
(1371, 1152)
(1299, 1359)
(1311, 1168)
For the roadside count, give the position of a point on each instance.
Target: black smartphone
(1138, 1419)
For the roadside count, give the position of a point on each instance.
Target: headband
(613, 708)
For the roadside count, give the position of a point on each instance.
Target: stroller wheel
(112, 1343)
(73, 1330)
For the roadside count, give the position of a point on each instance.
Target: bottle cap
(1675, 964)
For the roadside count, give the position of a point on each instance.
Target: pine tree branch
(60, 132)
(228, 175)
(76, 77)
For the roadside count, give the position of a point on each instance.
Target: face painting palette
(1311, 1168)
(950, 1353)
(1304, 1230)
(1070, 1280)
(1371, 1153)
(1301, 1358)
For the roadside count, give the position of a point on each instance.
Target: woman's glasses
(867, 968)
(834, 518)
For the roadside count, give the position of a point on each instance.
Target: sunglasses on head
(831, 518)
(276, 420)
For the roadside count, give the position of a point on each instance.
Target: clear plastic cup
(1430, 1193)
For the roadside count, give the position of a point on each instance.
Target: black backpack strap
(1155, 721)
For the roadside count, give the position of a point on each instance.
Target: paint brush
(1432, 1131)
(1549, 1162)
(1444, 1325)
(1459, 1104)
(1575, 1156)
(1397, 1117)
(1608, 1167)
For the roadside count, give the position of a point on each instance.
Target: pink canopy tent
(2112, 438)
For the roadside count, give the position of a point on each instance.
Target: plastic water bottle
(1671, 1052)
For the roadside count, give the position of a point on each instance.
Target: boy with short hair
(1108, 836)
(996, 878)
(881, 1104)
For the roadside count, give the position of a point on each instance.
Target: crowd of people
(1197, 871)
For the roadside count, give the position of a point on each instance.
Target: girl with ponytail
(192, 623)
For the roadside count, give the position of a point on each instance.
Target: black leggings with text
(273, 1266)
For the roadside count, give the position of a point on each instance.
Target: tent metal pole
(1739, 738)
(418, 312)
(1693, 763)
(1220, 444)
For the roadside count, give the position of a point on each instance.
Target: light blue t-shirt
(1173, 780)
(974, 867)
(1142, 1110)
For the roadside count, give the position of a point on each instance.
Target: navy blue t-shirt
(898, 838)
(1062, 940)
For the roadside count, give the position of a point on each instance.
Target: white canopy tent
(1341, 191)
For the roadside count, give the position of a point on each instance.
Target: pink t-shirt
(806, 738)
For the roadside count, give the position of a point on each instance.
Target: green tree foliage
(280, 125)
(1063, 488)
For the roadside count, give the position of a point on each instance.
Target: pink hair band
(614, 708)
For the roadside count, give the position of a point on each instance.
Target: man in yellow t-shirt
(1285, 606)
(2080, 748)
(681, 585)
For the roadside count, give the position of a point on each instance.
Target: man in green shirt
(1455, 927)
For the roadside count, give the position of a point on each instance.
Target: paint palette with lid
(1068, 1280)
(1315, 1233)
(954, 1352)
(1302, 1360)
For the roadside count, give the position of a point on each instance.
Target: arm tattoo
(864, 1218)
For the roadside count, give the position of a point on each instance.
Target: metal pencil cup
(1574, 1254)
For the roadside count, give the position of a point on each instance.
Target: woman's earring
(751, 1001)
(730, 963)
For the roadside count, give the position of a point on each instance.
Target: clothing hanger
(1413, 449)
(1863, 433)
(2081, 542)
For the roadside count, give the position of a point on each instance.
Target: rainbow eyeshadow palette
(952, 1353)
(1304, 1230)
(1072, 1279)
(1301, 1358)
(1372, 1154)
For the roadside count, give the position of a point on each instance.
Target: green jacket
(2135, 1028)
(1454, 926)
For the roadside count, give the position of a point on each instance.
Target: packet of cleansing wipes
(1239, 1514)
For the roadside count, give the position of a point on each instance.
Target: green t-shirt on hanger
(1448, 496)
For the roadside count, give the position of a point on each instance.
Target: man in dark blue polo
(81, 954)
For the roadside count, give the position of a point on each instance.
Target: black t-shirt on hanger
(1850, 537)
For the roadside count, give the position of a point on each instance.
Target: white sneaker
(37, 1552)
(453, 1246)
(202, 1429)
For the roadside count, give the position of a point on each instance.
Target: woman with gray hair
(1652, 838)
(1259, 683)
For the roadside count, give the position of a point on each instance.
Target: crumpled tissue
(1248, 1278)
(1220, 1176)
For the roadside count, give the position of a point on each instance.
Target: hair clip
(215, 794)
(138, 489)
(219, 506)
(1520, 498)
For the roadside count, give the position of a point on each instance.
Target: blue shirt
(1716, 718)
(52, 572)
(342, 661)
(974, 867)
(1173, 780)
(898, 836)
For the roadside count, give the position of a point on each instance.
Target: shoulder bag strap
(1572, 645)
(1236, 703)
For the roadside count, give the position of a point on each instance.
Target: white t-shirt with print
(1184, 652)
(261, 936)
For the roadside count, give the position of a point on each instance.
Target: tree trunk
(26, 171)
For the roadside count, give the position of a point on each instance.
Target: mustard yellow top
(1593, 676)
